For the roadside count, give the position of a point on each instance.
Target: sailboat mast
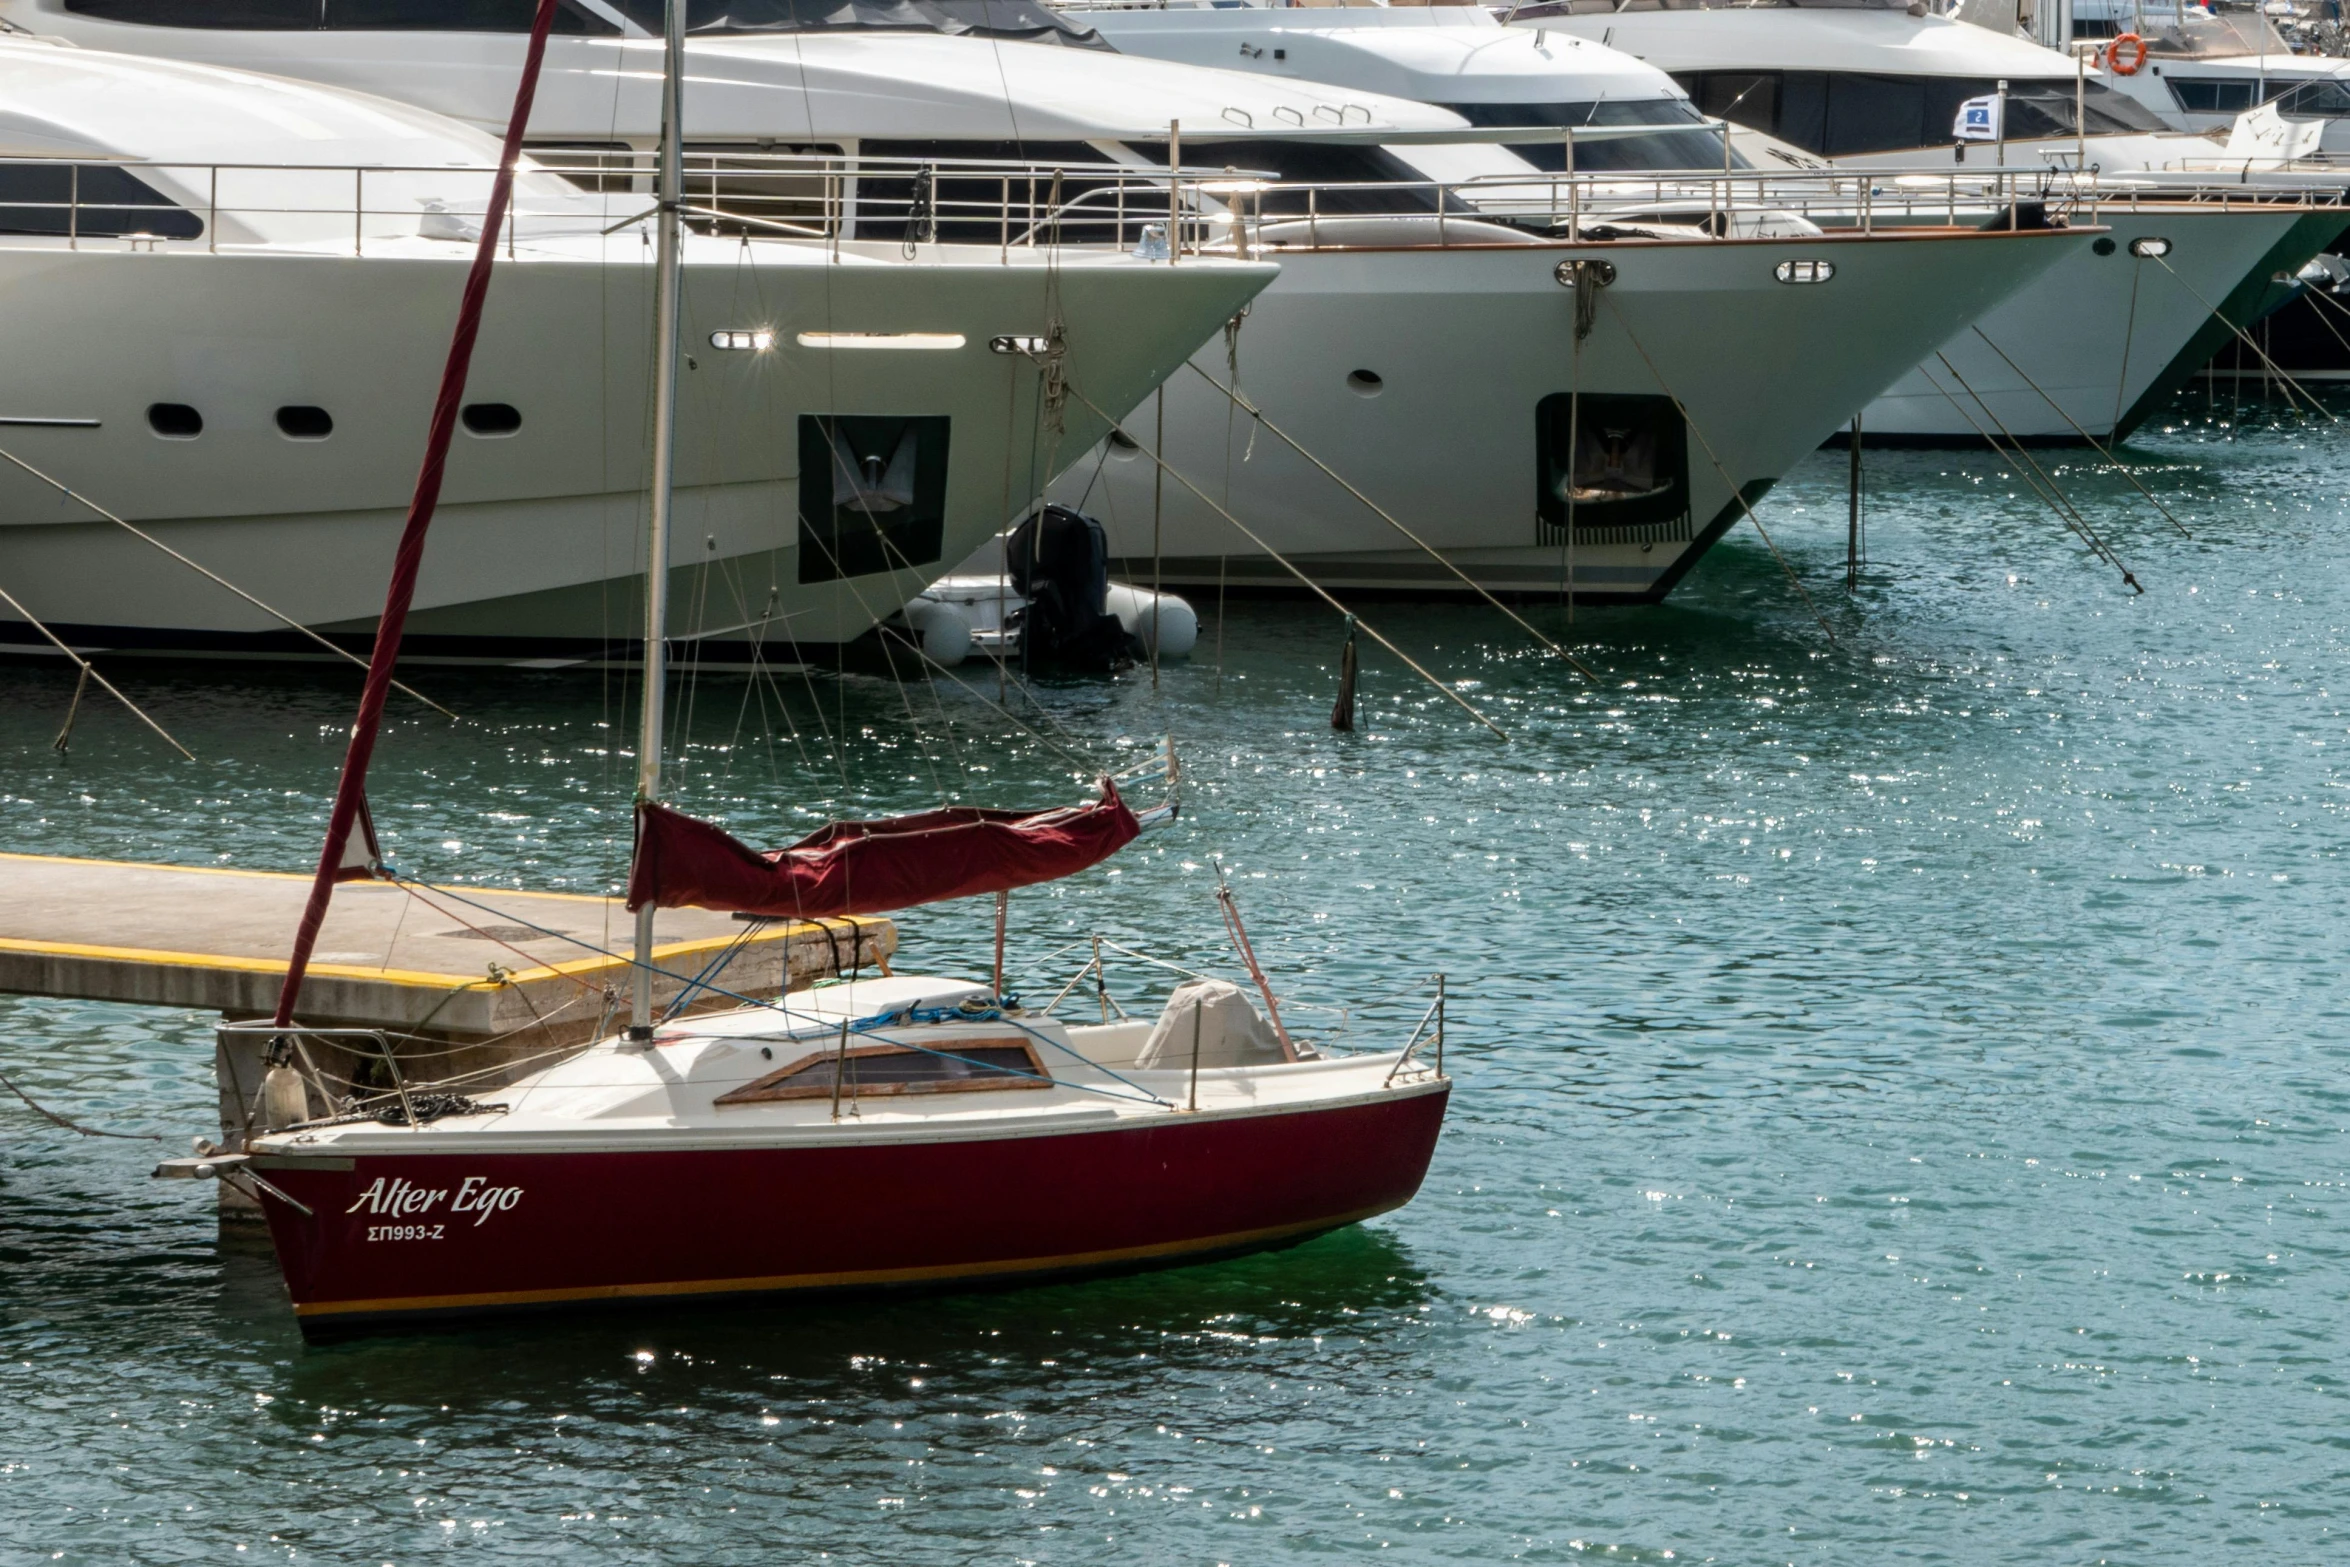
(671, 193)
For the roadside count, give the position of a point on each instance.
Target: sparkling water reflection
(1901, 1106)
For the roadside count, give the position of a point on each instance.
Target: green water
(1900, 1110)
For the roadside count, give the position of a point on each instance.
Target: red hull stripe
(1001, 1268)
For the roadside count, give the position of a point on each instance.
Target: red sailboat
(889, 1130)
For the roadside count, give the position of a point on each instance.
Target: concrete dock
(463, 964)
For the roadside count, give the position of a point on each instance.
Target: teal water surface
(1900, 1108)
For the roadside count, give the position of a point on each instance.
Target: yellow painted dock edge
(163, 958)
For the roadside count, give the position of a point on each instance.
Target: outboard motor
(1059, 562)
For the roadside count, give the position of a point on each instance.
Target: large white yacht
(1438, 359)
(229, 299)
(2196, 247)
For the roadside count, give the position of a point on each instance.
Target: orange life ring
(2113, 54)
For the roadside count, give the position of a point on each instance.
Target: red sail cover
(871, 867)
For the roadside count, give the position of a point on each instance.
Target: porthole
(174, 421)
(1804, 271)
(2104, 245)
(302, 422)
(491, 419)
(1365, 383)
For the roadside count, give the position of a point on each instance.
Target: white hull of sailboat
(539, 545)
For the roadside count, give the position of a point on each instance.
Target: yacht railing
(917, 204)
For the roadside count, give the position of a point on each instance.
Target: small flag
(1978, 119)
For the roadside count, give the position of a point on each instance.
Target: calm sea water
(1901, 1107)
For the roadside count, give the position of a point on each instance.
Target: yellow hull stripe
(773, 1283)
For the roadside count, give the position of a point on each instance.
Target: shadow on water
(1356, 1282)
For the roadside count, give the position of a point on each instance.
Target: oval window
(1365, 383)
(174, 421)
(492, 418)
(1805, 271)
(2103, 245)
(301, 422)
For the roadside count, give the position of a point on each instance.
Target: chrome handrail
(836, 198)
(298, 1032)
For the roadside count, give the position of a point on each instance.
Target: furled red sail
(871, 867)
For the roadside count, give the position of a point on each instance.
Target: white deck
(660, 1097)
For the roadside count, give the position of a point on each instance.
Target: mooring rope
(1736, 493)
(90, 673)
(2059, 506)
(203, 570)
(1245, 405)
(47, 1114)
(2094, 444)
(2245, 337)
(1310, 584)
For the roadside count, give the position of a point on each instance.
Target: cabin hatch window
(873, 494)
(870, 1071)
(90, 200)
(1628, 476)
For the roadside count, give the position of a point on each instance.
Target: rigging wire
(202, 570)
(89, 672)
(2054, 498)
(1736, 493)
(51, 1116)
(1311, 585)
(2094, 443)
(2291, 385)
(1243, 404)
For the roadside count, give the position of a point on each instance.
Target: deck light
(929, 340)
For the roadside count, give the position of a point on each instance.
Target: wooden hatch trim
(778, 1085)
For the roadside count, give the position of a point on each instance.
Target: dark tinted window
(1849, 112)
(1690, 148)
(305, 423)
(1018, 21)
(2329, 97)
(1310, 163)
(2210, 96)
(255, 15)
(1873, 113)
(177, 421)
(976, 208)
(1803, 109)
(93, 199)
(492, 418)
(456, 16)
